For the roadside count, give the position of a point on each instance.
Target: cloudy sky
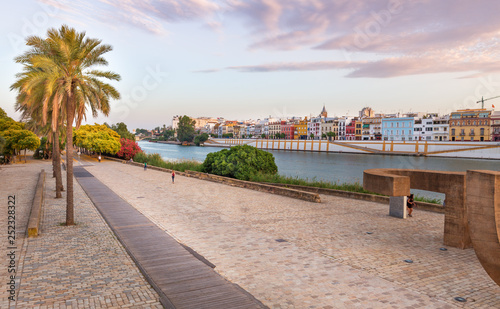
(243, 59)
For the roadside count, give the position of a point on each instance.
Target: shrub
(241, 162)
(129, 148)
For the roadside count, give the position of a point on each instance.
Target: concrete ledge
(268, 188)
(36, 208)
(361, 196)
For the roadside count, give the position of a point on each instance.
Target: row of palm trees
(57, 87)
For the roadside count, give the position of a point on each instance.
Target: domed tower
(323, 113)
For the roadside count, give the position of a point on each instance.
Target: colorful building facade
(470, 125)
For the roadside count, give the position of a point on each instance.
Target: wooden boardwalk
(182, 278)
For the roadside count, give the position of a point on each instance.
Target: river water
(332, 167)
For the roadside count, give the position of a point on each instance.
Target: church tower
(324, 113)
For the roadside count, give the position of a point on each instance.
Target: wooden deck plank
(181, 279)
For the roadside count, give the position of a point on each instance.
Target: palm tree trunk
(57, 164)
(53, 156)
(70, 112)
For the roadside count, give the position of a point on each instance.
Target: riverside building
(470, 125)
(398, 129)
(495, 126)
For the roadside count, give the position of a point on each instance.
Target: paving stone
(328, 259)
(82, 266)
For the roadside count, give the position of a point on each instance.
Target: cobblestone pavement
(83, 266)
(327, 258)
(18, 180)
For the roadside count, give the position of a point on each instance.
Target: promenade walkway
(182, 280)
(287, 253)
(82, 266)
(293, 254)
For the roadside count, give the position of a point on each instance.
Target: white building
(423, 129)
(441, 128)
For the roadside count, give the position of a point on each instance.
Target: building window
(482, 131)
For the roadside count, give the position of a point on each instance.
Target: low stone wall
(36, 208)
(361, 196)
(293, 193)
(268, 188)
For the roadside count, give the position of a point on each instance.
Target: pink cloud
(410, 37)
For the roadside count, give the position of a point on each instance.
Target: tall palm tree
(33, 114)
(37, 103)
(65, 61)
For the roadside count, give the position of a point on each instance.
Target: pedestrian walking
(410, 204)
(145, 166)
(99, 158)
(173, 176)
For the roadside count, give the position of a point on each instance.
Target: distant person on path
(410, 203)
(131, 160)
(173, 176)
(145, 166)
(99, 158)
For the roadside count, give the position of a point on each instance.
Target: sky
(250, 59)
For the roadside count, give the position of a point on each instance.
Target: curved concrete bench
(397, 183)
(483, 209)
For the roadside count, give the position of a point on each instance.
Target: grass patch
(155, 159)
(350, 187)
(277, 178)
(424, 199)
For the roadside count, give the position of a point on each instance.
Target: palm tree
(33, 103)
(65, 61)
(31, 115)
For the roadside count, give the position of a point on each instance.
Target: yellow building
(359, 130)
(301, 129)
(470, 125)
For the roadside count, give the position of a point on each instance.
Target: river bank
(472, 150)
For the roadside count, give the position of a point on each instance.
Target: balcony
(462, 134)
(472, 134)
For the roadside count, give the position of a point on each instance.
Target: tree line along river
(332, 167)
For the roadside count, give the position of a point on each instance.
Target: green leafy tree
(2, 144)
(97, 138)
(185, 129)
(121, 129)
(200, 139)
(139, 131)
(240, 162)
(331, 135)
(166, 135)
(66, 62)
(263, 135)
(17, 140)
(312, 135)
(323, 136)
(3, 114)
